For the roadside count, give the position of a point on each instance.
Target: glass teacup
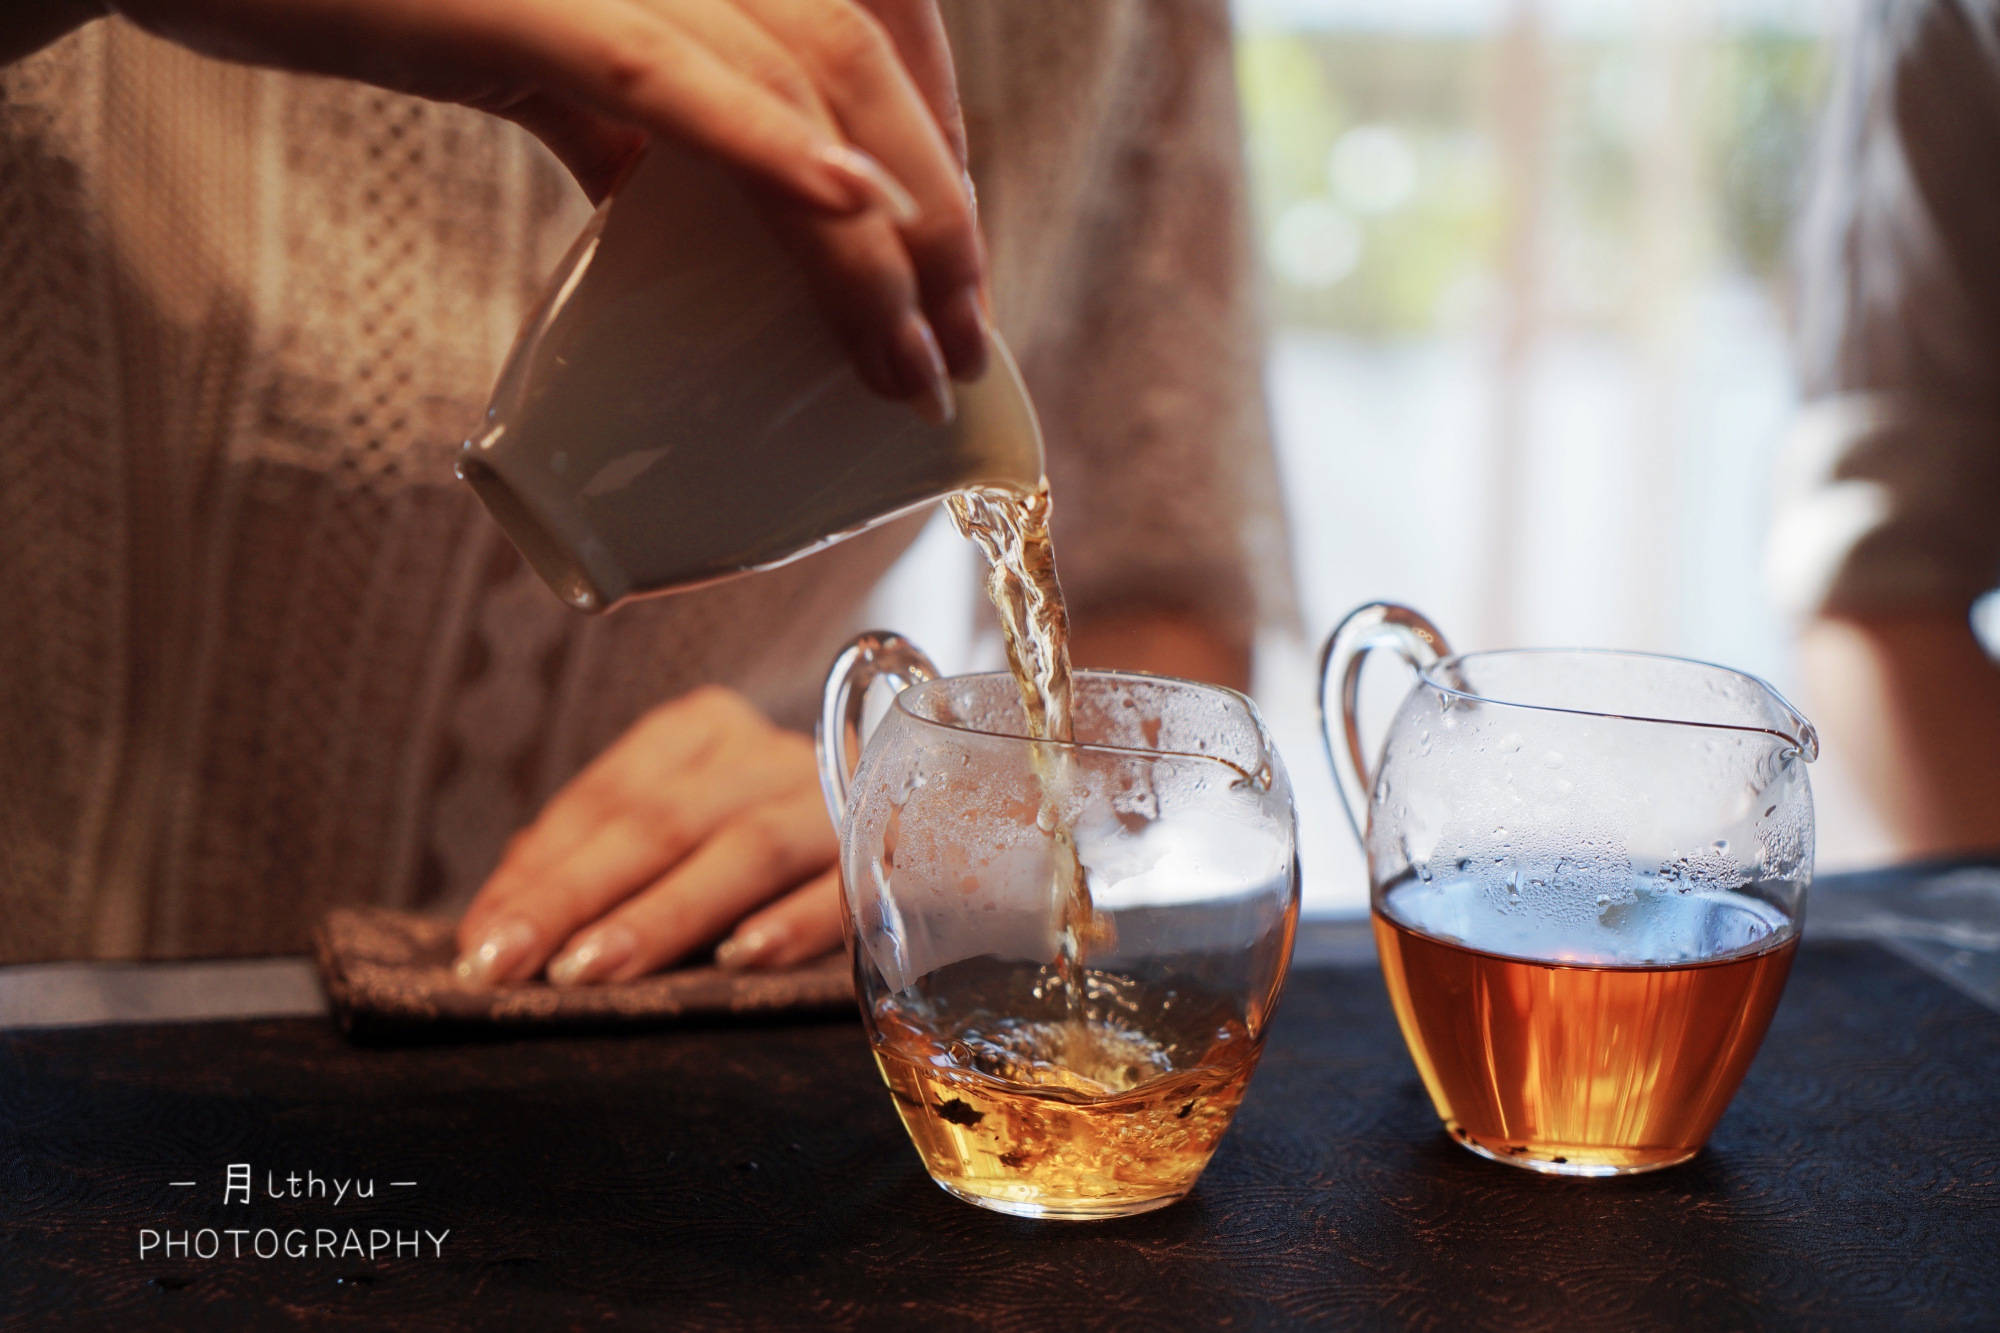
(1050, 1062)
(1588, 877)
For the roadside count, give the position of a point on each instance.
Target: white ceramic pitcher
(675, 410)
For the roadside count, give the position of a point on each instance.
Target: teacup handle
(869, 657)
(1366, 628)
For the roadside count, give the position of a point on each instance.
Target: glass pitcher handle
(869, 657)
(1366, 628)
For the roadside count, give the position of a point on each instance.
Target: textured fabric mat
(389, 974)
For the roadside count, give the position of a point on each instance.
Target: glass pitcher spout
(1797, 733)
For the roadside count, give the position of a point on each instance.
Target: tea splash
(1011, 529)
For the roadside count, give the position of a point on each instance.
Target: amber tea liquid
(1576, 1063)
(1015, 1104)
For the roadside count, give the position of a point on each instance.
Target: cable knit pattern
(261, 654)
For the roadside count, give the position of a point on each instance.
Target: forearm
(26, 26)
(1910, 705)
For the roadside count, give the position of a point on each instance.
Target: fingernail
(595, 956)
(871, 182)
(920, 364)
(494, 957)
(749, 949)
(961, 332)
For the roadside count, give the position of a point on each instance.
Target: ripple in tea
(1014, 1104)
(1576, 1062)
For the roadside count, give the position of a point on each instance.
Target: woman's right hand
(841, 113)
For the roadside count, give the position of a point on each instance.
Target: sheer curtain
(1526, 272)
(1525, 267)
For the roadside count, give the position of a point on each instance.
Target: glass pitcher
(1029, 1085)
(1588, 875)
(675, 410)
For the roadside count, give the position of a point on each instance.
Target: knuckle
(852, 48)
(680, 705)
(661, 830)
(632, 65)
(791, 85)
(616, 792)
(761, 837)
(713, 698)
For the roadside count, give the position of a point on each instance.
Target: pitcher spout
(1799, 735)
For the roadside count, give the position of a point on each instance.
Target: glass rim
(1267, 753)
(1804, 742)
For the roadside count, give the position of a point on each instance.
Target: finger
(799, 927)
(749, 48)
(858, 267)
(859, 72)
(917, 29)
(862, 279)
(621, 858)
(750, 859)
(627, 62)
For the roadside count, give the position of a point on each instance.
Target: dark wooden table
(756, 1176)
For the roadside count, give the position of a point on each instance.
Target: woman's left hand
(703, 822)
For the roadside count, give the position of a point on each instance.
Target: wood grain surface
(755, 1176)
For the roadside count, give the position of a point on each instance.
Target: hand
(842, 115)
(693, 822)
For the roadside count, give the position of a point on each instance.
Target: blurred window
(1525, 265)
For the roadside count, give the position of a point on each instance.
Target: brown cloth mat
(390, 974)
